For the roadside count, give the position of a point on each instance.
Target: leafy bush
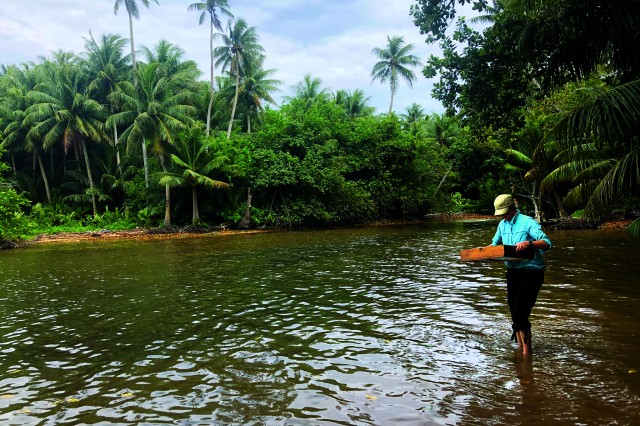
(149, 216)
(113, 220)
(55, 214)
(13, 222)
(578, 214)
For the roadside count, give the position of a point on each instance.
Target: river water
(370, 326)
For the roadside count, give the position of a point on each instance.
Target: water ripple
(367, 326)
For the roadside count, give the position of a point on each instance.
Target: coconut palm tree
(133, 12)
(354, 103)
(213, 8)
(155, 110)
(223, 94)
(309, 90)
(16, 84)
(257, 87)
(170, 57)
(106, 67)
(61, 112)
(585, 172)
(240, 48)
(610, 119)
(195, 157)
(395, 62)
(443, 130)
(413, 117)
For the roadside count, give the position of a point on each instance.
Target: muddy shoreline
(191, 231)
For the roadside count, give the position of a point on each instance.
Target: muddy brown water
(371, 326)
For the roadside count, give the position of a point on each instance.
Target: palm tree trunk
(211, 94)
(535, 199)
(115, 145)
(443, 179)
(393, 92)
(145, 163)
(86, 163)
(246, 219)
(249, 122)
(167, 195)
(559, 204)
(76, 152)
(196, 216)
(13, 163)
(235, 103)
(44, 178)
(133, 50)
(211, 86)
(167, 205)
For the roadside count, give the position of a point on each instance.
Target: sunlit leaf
(73, 400)
(6, 396)
(371, 397)
(127, 394)
(633, 371)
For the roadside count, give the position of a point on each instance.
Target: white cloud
(331, 39)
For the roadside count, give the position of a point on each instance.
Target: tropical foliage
(556, 84)
(534, 106)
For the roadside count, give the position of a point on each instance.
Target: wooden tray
(505, 252)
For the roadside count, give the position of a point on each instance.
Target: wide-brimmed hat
(502, 204)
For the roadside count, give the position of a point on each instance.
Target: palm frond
(634, 228)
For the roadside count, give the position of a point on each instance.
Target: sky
(330, 39)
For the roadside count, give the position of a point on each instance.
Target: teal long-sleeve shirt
(521, 228)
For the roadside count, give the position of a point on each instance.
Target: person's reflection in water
(524, 370)
(528, 410)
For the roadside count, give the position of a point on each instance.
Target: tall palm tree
(133, 12)
(395, 62)
(172, 63)
(106, 66)
(155, 110)
(240, 48)
(16, 84)
(256, 87)
(211, 7)
(222, 102)
(61, 112)
(195, 157)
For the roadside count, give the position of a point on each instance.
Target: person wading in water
(524, 277)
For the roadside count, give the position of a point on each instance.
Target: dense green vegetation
(556, 83)
(535, 105)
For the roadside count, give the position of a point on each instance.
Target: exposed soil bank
(134, 234)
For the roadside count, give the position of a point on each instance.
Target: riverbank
(193, 231)
(135, 234)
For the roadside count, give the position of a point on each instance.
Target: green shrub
(578, 214)
(14, 225)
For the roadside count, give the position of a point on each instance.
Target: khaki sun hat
(502, 204)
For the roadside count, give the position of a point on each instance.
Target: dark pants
(523, 286)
